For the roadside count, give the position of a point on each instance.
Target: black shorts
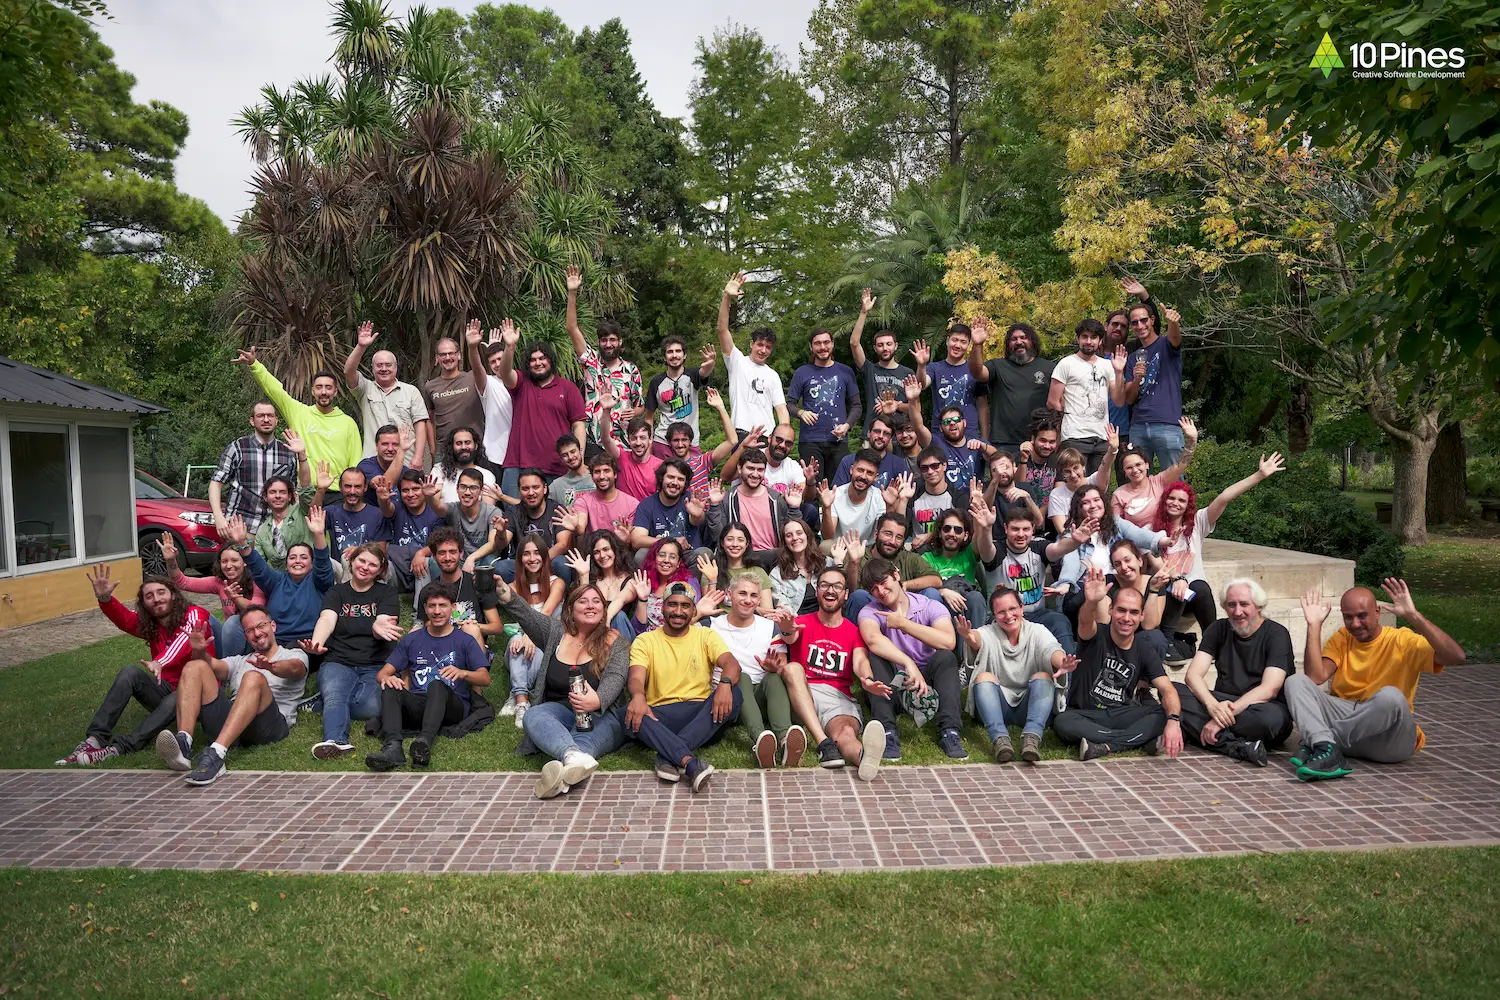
(267, 727)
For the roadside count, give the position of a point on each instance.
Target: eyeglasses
(952, 420)
(832, 585)
(260, 628)
(931, 466)
(954, 529)
(468, 488)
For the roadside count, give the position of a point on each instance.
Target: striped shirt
(245, 466)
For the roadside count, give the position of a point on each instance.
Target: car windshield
(151, 488)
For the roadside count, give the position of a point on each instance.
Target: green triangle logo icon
(1327, 57)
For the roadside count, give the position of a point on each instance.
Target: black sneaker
(1091, 751)
(829, 755)
(892, 753)
(951, 745)
(1031, 747)
(1303, 752)
(1250, 751)
(697, 773)
(389, 758)
(313, 704)
(1004, 751)
(207, 768)
(421, 752)
(1324, 763)
(1153, 747)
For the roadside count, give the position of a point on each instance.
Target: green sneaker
(1303, 752)
(1325, 762)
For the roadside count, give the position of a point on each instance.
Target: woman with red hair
(663, 566)
(1182, 551)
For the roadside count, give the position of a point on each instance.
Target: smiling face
(384, 367)
(1361, 614)
(640, 443)
(438, 609)
(533, 492)
(260, 630)
(673, 482)
(1142, 325)
(365, 567)
(157, 597)
(572, 458)
(1044, 443)
(1018, 534)
(1007, 611)
(822, 346)
(538, 366)
(889, 538)
(1240, 609)
(603, 475)
(231, 564)
(352, 487)
(263, 419)
(744, 596)
(449, 555)
(588, 608)
(278, 497)
(906, 438)
(952, 534)
(885, 347)
(753, 474)
(463, 447)
(862, 474)
(1175, 503)
(298, 561)
(668, 558)
(604, 555)
(388, 446)
(448, 356)
(831, 591)
(734, 543)
(958, 347)
(469, 491)
(1018, 346)
(677, 612)
(681, 444)
(609, 346)
(1073, 475)
(324, 390)
(934, 473)
(1093, 503)
(1125, 612)
(794, 537)
(888, 591)
(673, 355)
(1114, 329)
(760, 350)
(879, 436)
(955, 428)
(1127, 565)
(531, 556)
(1135, 468)
(780, 445)
(411, 495)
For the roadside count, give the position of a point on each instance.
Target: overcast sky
(211, 57)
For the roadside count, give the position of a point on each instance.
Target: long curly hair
(449, 465)
(683, 574)
(1107, 530)
(810, 564)
(1163, 521)
(599, 640)
(622, 565)
(146, 625)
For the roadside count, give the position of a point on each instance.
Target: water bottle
(582, 721)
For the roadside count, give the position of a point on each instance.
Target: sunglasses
(931, 466)
(954, 529)
(786, 441)
(1142, 321)
(952, 420)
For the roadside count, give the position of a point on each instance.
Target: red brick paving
(799, 820)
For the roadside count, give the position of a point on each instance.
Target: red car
(160, 509)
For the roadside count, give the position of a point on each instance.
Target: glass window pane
(42, 492)
(104, 463)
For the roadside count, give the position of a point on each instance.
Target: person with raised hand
(1083, 385)
(755, 392)
(490, 361)
(330, 434)
(881, 378)
(1014, 384)
(452, 399)
(950, 379)
(164, 619)
(1139, 495)
(1372, 670)
(672, 395)
(229, 580)
(545, 404)
(608, 567)
(612, 394)
(386, 399)
(1155, 390)
(409, 519)
(1103, 715)
(294, 596)
(827, 399)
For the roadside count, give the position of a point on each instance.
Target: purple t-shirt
(923, 611)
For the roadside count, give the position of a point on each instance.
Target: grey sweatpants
(1382, 729)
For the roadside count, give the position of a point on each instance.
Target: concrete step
(1284, 573)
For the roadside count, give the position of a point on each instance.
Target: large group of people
(1029, 546)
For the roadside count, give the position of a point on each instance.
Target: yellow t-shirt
(1396, 658)
(677, 669)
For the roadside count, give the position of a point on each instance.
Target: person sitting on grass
(359, 623)
(426, 682)
(1023, 568)
(1252, 657)
(1373, 671)
(420, 508)
(1012, 682)
(574, 721)
(285, 524)
(675, 706)
(795, 573)
(230, 580)
(826, 654)
(538, 588)
(1102, 715)
(164, 619)
(607, 566)
(764, 708)
(295, 597)
(961, 550)
(731, 562)
(474, 611)
(911, 635)
(662, 567)
(260, 706)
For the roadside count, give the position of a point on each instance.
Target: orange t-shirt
(1396, 658)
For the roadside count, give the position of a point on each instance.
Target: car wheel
(152, 563)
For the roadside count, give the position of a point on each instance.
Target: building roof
(23, 383)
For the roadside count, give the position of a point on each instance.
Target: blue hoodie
(293, 604)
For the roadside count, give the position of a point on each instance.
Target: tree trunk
(1447, 471)
(1258, 426)
(1409, 496)
(1299, 414)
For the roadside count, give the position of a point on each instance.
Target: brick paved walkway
(910, 817)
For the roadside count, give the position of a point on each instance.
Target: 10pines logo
(1389, 58)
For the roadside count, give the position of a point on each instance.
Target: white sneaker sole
(793, 747)
(551, 784)
(171, 752)
(873, 742)
(577, 773)
(328, 750)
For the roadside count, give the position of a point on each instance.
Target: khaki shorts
(830, 703)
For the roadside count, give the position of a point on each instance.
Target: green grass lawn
(1387, 924)
(45, 706)
(1456, 583)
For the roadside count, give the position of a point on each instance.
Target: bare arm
(856, 336)
(733, 290)
(1268, 467)
(878, 645)
(1055, 396)
(575, 282)
(363, 339)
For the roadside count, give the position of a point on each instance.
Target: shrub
(1297, 509)
(1484, 477)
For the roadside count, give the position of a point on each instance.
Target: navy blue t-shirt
(952, 385)
(891, 467)
(1160, 401)
(963, 464)
(829, 392)
(662, 521)
(408, 529)
(371, 467)
(355, 527)
(424, 654)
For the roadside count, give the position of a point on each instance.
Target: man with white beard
(1246, 711)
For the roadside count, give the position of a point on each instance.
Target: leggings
(428, 711)
(1200, 601)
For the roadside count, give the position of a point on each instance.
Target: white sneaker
(872, 743)
(577, 766)
(520, 711)
(509, 708)
(330, 749)
(551, 784)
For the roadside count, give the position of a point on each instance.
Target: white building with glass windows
(67, 495)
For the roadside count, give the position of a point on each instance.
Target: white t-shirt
(1085, 396)
(1185, 556)
(284, 691)
(498, 411)
(783, 477)
(1060, 500)
(755, 639)
(754, 392)
(858, 518)
(450, 486)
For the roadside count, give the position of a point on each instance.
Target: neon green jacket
(330, 437)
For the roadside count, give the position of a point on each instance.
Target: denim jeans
(348, 692)
(1162, 442)
(231, 641)
(1057, 623)
(510, 482)
(550, 726)
(681, 727)
(621, 623)
(1031, 712)
(522, 670)
(133, 683)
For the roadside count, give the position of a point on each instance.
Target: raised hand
(491, 495)
(642, 585)
(1270, 466)
(473, 336)
(981, 513)
(773, 661)
(757, 437)
(1083, 532)
(1095, 587)
(1069, 664)
(323, 479)
(979, 331)
(810, 472)
(432, 486)
(736, 285)
(866, 301)
(911, 384)
(922, 353)
(906, 486)
(825, 493)
(494, 336)
(1189, 431)
(839, 550)
(198, 643)
(710, 603)
(314, 647)
(168, 550)
(623, 528)
(1130, 286)
(382, 487)
(238, 533)
(708, 569)
(1401, 604)
(886, 404)
(1314, 611)
(316, 519)
(574, 279)
(709, 356)
(855, 546)
(966, 632)
(294, 442)
(245, 356)
(407, 438)
(578, 564)
(1112, 436)
(1174, 318)
(711, 395)
(715, 492)
(1120, 358)
(366, 335)
(509, 335)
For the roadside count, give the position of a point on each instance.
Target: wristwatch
(1174, 717)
